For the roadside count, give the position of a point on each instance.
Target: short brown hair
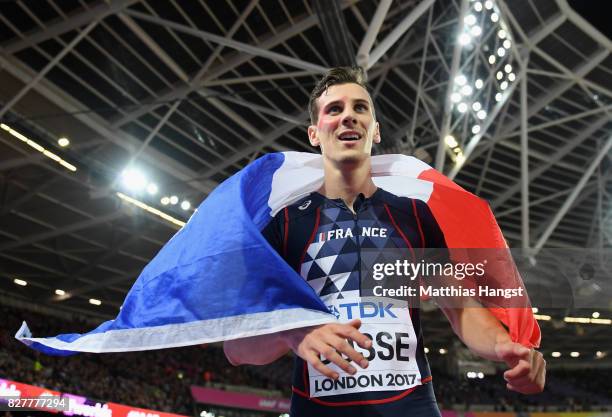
(336, 76)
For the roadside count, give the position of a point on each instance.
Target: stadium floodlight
(499, 75)
(442, 351)
(556, 354)
(95, 301)
(502, 34)
(63, 142)
(462, 107)
(475, 129)
(174, 200)
(464, 39)
(511, 76)
(503, 85)
(534, 310)
(501, 52)
(470, 20)
(498, 97)
(460, 80)
(466, 90)
(478, 6)
(492, 59)
(165, 200)
(595, 314)
(488, 5)
(507, 44)
(480, 375)
(481, 114)
(478, 84)
(60, 292)
(476, 106)
(451, 141)
(455, 97)
(152, 188)
(133, 179)
(476, 31)
(185, 205)
(574, 354)
(20, 282)
(494, 17)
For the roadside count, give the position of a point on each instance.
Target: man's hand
(330, 340)
(528, 367)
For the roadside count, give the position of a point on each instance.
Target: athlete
(371, 362)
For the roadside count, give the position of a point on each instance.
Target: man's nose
(349, 118)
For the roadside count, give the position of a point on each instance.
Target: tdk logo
(365, 309)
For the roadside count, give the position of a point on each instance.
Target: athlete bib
(392, 362)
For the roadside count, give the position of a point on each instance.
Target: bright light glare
(492, 59)
(462, 107)
(63, 142)
(508, 68)
(480, 375)
(133, 179)
(466, 90)
(476, 106)
(152, 188)
(464, 39)
(481, 114)
(595, 314)
(469, 19)
(478, 6)
(556, 354)
(165, 201)
(507, 44)
(476, 30)
(173, 200)
(600, 354)
(426, 350)
(501, 52)
(460, 159)
(494, 17)
(60, 292)
(20, 282)
(185, 205)
(460, 79)
(498, 97)
(574, 354)
(511, 76)
(534, 309)
(95, 302)
(502, 34)
(499, 75)
(442, 351)
(478, 84)
(503, 85)
(471, 375)
(488, 4)
(475, 129)
(455, 97)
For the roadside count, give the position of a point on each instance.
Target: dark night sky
(596, 12)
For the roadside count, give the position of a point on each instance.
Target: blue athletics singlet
(335, 251)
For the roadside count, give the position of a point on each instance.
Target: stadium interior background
(118, 117)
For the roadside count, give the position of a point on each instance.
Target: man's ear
(312, 135)
(377, 138)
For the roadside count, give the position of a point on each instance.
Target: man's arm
(328, 340)
(484, 335)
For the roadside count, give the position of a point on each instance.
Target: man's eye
(361, 107)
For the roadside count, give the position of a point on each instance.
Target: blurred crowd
(160, 380)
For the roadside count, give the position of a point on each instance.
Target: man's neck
(347, 182)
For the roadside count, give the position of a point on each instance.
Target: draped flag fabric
(219, 279)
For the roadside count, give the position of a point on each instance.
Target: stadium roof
(188, 92)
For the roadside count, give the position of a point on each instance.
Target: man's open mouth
(349, 136)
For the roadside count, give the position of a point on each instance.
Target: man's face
(346, 128)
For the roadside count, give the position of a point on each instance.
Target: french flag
(219, 279)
